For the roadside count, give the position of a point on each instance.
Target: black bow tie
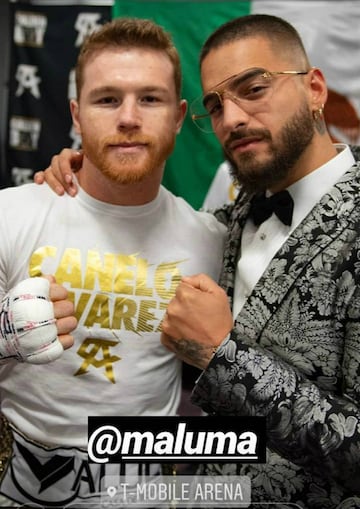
(280, 204)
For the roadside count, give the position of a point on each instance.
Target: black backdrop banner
(45, 44)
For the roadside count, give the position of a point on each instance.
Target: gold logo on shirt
(109, 291)
(89, 355)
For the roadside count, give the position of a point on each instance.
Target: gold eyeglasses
(251, 90)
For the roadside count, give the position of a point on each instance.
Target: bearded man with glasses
(280, 335)
(285, 320)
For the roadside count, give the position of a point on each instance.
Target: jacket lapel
(326, 222)
(232, 249)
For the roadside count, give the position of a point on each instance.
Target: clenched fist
(35, 321)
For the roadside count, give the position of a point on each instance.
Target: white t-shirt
(122, 265)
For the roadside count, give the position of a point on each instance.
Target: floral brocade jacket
(294, 357)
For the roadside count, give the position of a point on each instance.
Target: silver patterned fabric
(294, 356)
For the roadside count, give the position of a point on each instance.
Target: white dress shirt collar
(260, 244)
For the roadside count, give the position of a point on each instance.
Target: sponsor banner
(45, 43)
(176, 439)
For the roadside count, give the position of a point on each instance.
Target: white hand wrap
(28, 331)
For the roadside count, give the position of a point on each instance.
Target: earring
(319, 120)
(318, 114)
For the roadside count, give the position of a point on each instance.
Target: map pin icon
(111, 491)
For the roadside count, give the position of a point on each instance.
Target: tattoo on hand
(197, 353)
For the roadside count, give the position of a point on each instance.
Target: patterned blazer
(294, 356)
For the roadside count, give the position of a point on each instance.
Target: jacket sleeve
(315, 429)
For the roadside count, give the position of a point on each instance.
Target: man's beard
(129, 168)
(294, 138)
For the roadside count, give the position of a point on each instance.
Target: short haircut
(126, 32)
(281, 34)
